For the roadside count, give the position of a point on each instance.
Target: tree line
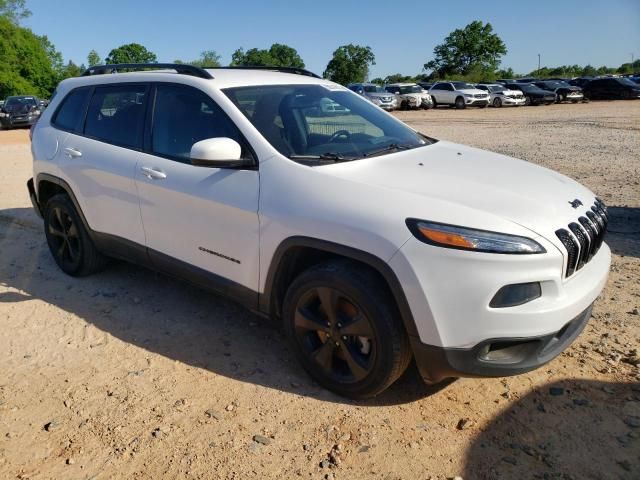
(30, 63)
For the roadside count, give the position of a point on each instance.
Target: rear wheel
(460, 103)
(497, 102)
(345, 329)
(68, 241)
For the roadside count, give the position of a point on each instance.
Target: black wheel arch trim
(268, 302)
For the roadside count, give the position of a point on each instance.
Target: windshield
(410, 89)
(373, 88)
(626, 81)
(462, 86)
(496, 88)
(16, 101)
(322, 122)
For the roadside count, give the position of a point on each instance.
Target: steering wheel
(338, 134)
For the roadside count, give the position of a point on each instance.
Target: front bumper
(512, 101)
(498, 357)
(20, 121)
(476, 101)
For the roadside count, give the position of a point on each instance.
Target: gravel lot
(130, 374)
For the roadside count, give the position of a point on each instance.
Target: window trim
(149, 123)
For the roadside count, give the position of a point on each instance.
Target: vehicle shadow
(167, 316)
(623, 235)
(573, 429)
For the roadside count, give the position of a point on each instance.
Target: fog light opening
(516, 294)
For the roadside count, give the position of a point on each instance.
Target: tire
(527, 100)
(459, 104)
(69, 243)
(497, 102)
(560, 98)
(435, 104)
(365, 348)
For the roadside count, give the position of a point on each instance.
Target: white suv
(458, 94)
(372, 244)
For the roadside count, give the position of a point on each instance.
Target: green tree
(278, 55)
(350, 64)
(474, 47)
(398, 78)
(93, 59)
(26, 61)
(131, 53)
(378, 81)
(71, 70)
(14, 10)
(589, 71)
(208, 59)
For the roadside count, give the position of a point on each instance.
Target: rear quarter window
(70, 115)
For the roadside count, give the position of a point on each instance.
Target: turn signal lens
(445, 238)
(463, 238)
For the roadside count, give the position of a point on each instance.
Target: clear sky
(402, 34)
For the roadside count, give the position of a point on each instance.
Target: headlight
(468, 95)
(462, 238)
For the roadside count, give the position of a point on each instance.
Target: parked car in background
(526, 80)
(376, 95)
(564, 92)
(500, 95)
(611, 89)
(580, 81)
(426, 85)
(533, 95)
(458, 94)
(19, 111)
(410, 95)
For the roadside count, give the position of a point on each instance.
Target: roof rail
(294, 70)
(180, 68)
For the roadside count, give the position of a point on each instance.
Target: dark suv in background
(611, 89)
(533, 95)
(19, 111)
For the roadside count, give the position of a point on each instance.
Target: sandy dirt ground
(130, 374)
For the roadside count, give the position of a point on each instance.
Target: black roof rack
(294, 70)
(180, 68)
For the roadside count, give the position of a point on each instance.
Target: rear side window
(116, 115)
(70, 115)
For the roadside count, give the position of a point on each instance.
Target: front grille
(582, 239)
(480, 95)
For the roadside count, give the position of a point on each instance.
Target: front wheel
(497, 102)
(527, 100)
(460, 103)
(69, 243)
(345, 329)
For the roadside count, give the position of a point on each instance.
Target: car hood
(379, 94)
(473, 91)
(476, 180)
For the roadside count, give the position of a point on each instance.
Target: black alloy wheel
(336, 334)
(345, 328)
(68, 240)
(527, 100)
(460, 103)
(497, 102)
(64, 238)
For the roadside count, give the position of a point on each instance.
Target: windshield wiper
(389, 148)
(328, 157)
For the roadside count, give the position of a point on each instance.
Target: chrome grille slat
(583, 238)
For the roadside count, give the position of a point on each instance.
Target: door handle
(153, 173)
(72, 152)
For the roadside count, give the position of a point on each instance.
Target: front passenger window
(182, 117)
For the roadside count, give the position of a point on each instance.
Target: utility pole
(538, 64)
(633, 67)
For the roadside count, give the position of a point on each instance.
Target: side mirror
(217, 153)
